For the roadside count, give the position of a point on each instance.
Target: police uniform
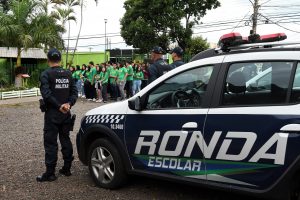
(179, 52)
(159, 67)
(57, 88)
(177, 63)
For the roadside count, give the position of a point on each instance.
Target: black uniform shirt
(177, 63)
(58, 87)
(157, 69)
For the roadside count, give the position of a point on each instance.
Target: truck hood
(112, 108)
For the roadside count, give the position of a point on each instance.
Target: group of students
(120, 80)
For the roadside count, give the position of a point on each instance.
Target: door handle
(291, 128)
(190, 125)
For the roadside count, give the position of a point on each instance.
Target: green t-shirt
(87, 75)
(109, 69)
(104, 77)
(113, 72)
(77, 74)
(138, 75)
(130, 73)
(93, 73)
(73, 75)
(121, 73)
(90, 76)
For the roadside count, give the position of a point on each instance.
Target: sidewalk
(19, 100)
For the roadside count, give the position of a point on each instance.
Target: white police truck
(229, 119)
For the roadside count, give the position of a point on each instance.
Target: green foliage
(4, 5)
(4, 77)
(25, 26)
(149, 22)
(196, 45)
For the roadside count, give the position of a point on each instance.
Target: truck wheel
(295, 189)
(105, 164)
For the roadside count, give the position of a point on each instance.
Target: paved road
(21, 160)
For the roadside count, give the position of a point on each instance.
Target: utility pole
(105, 47)
(256, 7)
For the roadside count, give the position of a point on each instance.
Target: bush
(4, 77)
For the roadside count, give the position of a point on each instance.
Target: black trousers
(114, 91)
(56, 125)
(104, 91)
(87, 92)
(144, 83)
(128, 88)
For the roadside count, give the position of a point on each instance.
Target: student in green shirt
(82, 79)
(98, 85)
(87, 83)
(113, 75)
(91, 76)
(137, 79)
(129, 82)
(77, 77)
(122, 75)
(104, 81)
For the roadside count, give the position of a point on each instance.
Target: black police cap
(54, 55)
(157, 50)
(178, 51)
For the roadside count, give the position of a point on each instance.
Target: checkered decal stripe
(107, 119)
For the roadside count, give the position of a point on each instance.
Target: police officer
(159, 66)
(59, 93)
(177, 54)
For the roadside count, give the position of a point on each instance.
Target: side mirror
(135, 104)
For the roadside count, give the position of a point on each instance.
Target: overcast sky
(214, 24)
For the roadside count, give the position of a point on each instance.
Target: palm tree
(66, 15)
(80, 27)
(24, 27)
(4, 5)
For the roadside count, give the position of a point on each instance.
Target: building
(85, 57)
(33, 61)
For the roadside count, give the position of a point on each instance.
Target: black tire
(295, 189)
(109, 176)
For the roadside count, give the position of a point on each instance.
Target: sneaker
(83, 96)
(99, 101)
(90, 99)
(94, 99)
(65, 172)
(46, 178)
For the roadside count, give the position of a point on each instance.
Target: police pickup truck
(229, 119)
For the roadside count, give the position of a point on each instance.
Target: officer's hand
(65, 108)
(61, 109)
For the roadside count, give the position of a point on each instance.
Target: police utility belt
(44, 108)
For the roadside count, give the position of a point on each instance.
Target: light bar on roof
(236, 39)
(230, 39)
(273, 37)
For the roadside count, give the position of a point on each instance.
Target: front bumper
(79, 145)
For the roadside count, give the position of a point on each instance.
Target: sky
(232, 16)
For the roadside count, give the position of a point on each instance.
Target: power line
(93, 45)
(281, 25)
(240, 22)
(86, 38)
(95, 35)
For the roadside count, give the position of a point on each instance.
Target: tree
(4, 5)
(80, 27)
(67, 15)
(196, 45)
(24, 27)
(160, 21)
